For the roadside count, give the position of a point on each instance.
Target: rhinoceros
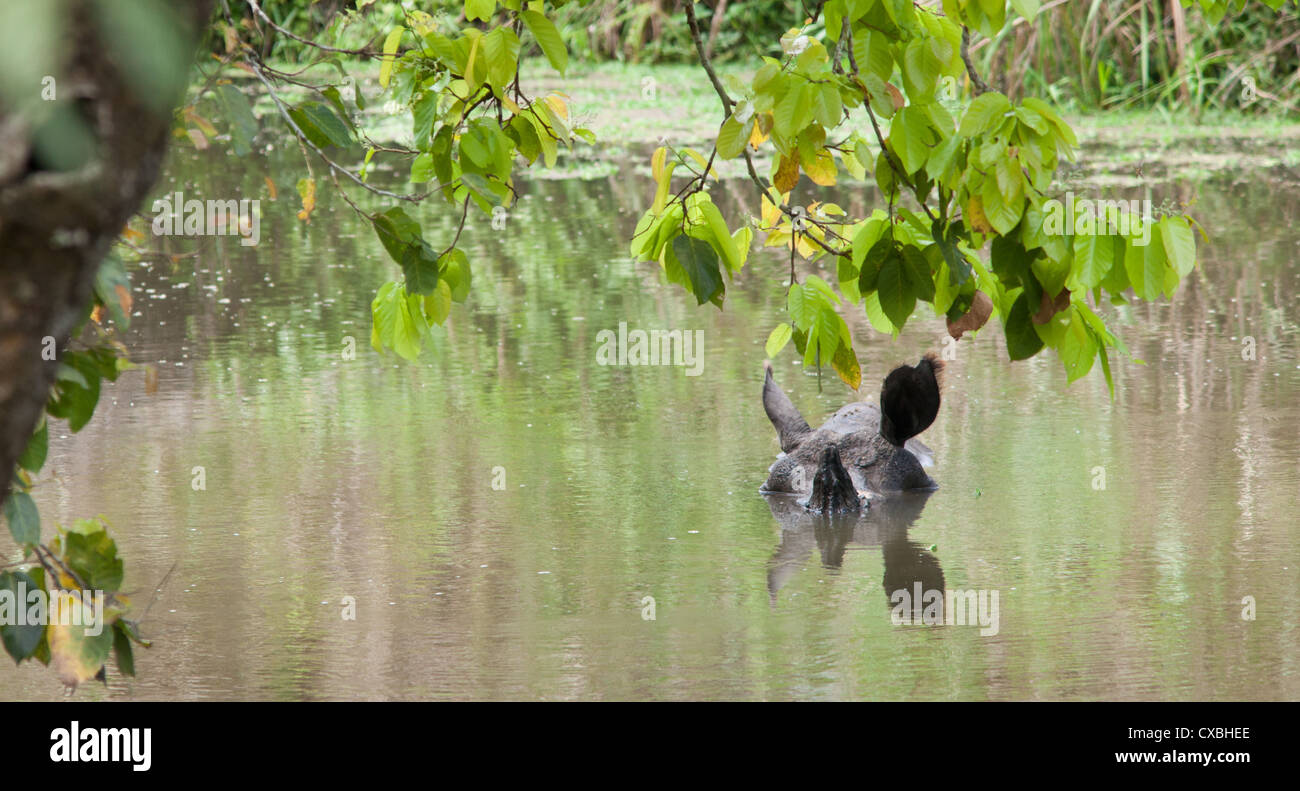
(863, 450)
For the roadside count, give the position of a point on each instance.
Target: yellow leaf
(558, 106)
(421, 22)
(307, 189)
(123, 299)
(822, 169)
(771, 212)
(846, 365)
(201, 122)
(787, 175)
(270, 187)
(75, 655)
(762, 128)
(657, 163)
(390, 50)
(975, 216)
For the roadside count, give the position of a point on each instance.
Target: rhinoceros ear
(909, 400)
(790, 426)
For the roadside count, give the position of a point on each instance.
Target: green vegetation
(1083, 55)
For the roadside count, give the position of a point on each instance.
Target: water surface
(372, 478)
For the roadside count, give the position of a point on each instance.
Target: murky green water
(371, 478)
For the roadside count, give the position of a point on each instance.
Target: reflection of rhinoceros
(907, 563)
(859, 451)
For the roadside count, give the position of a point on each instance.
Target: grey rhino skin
(814, 463)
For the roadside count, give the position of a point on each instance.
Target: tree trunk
(56, 227)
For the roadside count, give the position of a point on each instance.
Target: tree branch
(978, 85)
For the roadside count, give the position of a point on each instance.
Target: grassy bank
(634, 107)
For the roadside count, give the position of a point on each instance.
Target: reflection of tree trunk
(715, 25)
(1181, 41)
(55, 227)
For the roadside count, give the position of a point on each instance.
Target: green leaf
(423, 113)
(803, 304)
(396, 231)
(1022, 341)
(869, 273)
(1003, 212)
(239, 112)
(987, 110)
(946, 239)
(700, 263)
(20, 642)
(437, 306)
(733, 136)
(1094, 255)
(548, 38)
(320, 125)
(501, 48)
(876, 315)
(456, 272)
(909, 136)
(1179, 244)
(76, 390)
(777, 340)
(422, 168)
(895, 289)
(920, 279)
(794, 112)
(123, 653)
(1146, 265)
(401, 237)
(93, 556)
(1077, 348)
(920, 69)
(113, 289)
(872, 53)
(480, 9)
(420, 269)
(830, 107)
(398, 321)
(866, 237)
(33, 456)
(1026, 8)
(717, 228)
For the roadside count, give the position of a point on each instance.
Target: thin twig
(978, 85)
